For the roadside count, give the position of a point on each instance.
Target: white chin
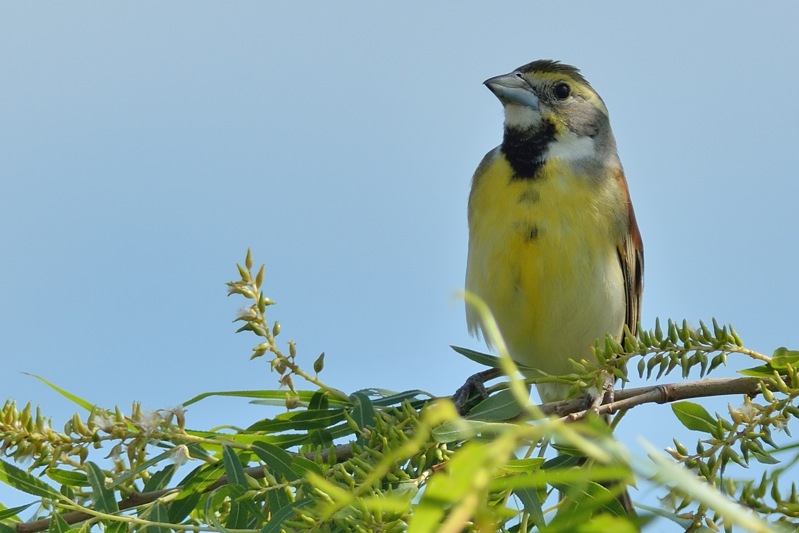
(521, 117)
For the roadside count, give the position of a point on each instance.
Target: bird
(554, 247)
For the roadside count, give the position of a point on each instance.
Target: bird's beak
(513, 89)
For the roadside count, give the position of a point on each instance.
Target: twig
(572, 409)
(666, 393)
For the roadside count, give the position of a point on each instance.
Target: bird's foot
(473, 387)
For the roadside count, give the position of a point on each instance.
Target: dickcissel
(554, 248)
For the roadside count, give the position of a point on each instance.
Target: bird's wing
(631, 258)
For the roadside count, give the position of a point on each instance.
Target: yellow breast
(543, 256)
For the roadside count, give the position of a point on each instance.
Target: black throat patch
(524, 149)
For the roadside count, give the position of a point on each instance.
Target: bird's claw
(474, 386)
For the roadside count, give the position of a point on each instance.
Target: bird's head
(548, 98)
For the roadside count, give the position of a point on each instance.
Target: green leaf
(282, 514)
(762, 371)
(489, 360)
(320, 437)
(132, 474)
(478, 357)
(71, 478)
(528, 464)
(301, 466)
(531, 503)
(461, 470)
(58, 524)
(193, 485)
(158, 513)
(459, 430)
(299, 420)
(269, 397)
(276, 500)
(497, 407)
(68, 395)
(11, 513)
(233, 468)
(160, 479)
(277, 459)
(115, 527)
(185, 503)
(318, 401)
(238, 516)
(21, 480)
(284, 441)
(397, 398)
(694, 417)
(363, 413)
(782, 357)
(447, 488)
(102, 497)
(212, 505)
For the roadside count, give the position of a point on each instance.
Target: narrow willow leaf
(448, 487)
(320, 438)
(528, 464)
(182, 506)
(478, 357)
(132, 474)
(286, 440)
(763, 371)
(269, 397)
(88, 406)
(102, 497)
(233, 468)
(238, 516)
(531, 504)
(319, 401)
(58, 524)
(158, 513)
(194, 484)
(70, 478)
(497, 407)
(694, 417)
(397, 398)
(276, 500)
(486, 359)
(783, 357)
(363, 413)
(275, 524)
(211, 516)
(278, 460)
(21, 480)
(459, 430)
(301, 466)
(299, 420)
(11, 513)
(114, 527)
(160, 479)
(425, 518)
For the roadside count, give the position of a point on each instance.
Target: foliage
(376, 460)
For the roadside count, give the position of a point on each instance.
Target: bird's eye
(562, 90)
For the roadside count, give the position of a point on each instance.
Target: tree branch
(666, 393)
(571, 409)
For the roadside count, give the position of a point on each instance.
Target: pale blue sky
(144, 147)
